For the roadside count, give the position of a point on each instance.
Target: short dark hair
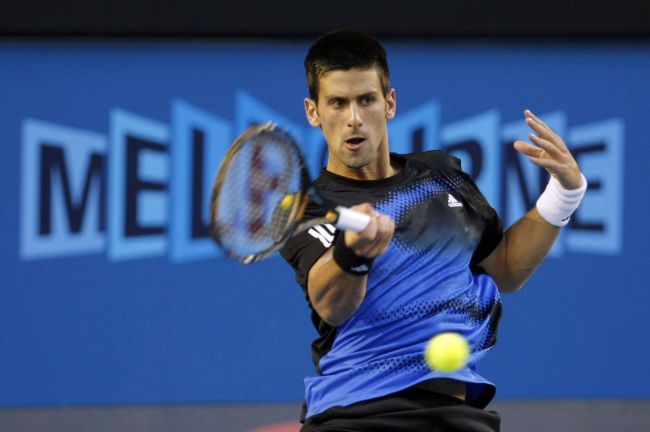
(344, 50)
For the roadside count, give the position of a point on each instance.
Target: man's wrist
(556, 204)
(345, 257)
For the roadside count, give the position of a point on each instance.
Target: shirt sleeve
(305, 248)
(492, 236)
(493, 228)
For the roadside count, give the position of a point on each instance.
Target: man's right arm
(336, 294)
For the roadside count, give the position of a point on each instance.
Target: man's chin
(356, 163)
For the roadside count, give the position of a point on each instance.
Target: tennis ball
(287, 201)
(446, 352)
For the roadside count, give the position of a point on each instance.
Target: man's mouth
(354, 142)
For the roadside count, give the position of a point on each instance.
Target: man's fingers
(385, 231)
(544, 131)
(551, 148)
(375, 238)
(369, 232)
(549, 164)
(528, 149)
(551, 152)
(364, 208)
(541, 129)
(372, 244)
(538, 121)
(558, 162)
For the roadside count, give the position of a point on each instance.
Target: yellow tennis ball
(287, 201)
(446, 352)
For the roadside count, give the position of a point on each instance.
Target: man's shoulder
(434, 159)
(322, 179)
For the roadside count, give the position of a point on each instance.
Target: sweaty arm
(335, 293)
(526, 243)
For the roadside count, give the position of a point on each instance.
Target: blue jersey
(427, 282)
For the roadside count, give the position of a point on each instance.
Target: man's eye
(337, 103)
(367, 100)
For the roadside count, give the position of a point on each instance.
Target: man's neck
(381, 170)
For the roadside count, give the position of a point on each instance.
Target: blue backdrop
(111, 293)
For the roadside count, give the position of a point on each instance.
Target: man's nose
(354, 119)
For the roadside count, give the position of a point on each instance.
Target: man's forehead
(355, 80)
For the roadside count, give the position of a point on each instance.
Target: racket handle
(350, 220)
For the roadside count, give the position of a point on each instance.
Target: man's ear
(312, 112)
(391, 104)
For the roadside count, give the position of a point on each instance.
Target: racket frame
(300, 200)
(342, 217)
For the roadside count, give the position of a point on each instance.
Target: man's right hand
(336, 294)
(374, 240)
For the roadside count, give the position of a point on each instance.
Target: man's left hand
(550, 152)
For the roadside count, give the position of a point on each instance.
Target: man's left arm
(526, 243)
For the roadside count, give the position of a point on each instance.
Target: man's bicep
(495, 265)
(304, 249)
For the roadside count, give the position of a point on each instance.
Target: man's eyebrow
(335, 96)
(370, 93)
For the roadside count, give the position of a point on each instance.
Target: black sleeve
(493, 229)
(305, 248)
(492, 236)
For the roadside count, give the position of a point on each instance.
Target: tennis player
(434, 258)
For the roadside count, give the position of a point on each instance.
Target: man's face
(352, 112)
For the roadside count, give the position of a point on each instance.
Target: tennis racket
(260, 194)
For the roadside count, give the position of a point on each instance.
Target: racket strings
(256, 204)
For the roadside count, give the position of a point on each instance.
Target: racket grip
(350, 220)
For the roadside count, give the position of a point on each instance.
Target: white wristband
(556, 204)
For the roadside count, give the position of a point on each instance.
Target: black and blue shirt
(427, 282)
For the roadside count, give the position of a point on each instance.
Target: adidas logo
(323, 233)
(360, 269)
(453, 202)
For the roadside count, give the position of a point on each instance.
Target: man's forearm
(334, 293)
(526, 245)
